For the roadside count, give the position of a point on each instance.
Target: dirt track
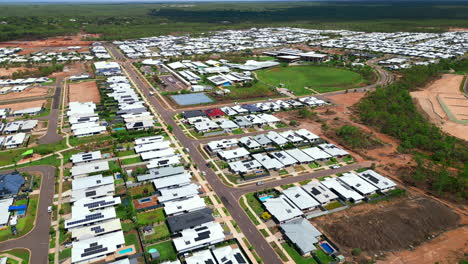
(388, 226)
(445, 89)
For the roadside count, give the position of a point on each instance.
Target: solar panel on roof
(240, 258)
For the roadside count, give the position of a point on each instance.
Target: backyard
(165, 249)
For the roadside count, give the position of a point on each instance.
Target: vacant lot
(442, 102)
(388, 226)
(24, 105)
(84, 92)
(318, 78)
(28, 92)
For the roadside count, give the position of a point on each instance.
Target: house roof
(302, 233)
(10, 184)
(229, 255)
(282, 208)
(300, 198)
(193, 113)
(214, 112)
(183, 221)
(377, 180)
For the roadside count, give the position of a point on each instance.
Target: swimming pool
(327, 248)
(118, 128)
(266, 198)
(152, 250)
(144, 200)
(125, 251)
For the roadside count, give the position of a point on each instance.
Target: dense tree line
(443, 166)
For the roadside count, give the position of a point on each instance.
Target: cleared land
(317, 78)
(442, 102)
(448, 248)
(84, 92)
(4, 72)
(28, 92)
(57, 44)
(388, 226)
(24, 105)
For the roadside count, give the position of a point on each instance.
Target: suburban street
(37, 241)
(229, 195)
(52, 135)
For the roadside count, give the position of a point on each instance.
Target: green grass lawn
(166, 250)
(254, 203)
(126, 153)
(320, 78)
(26, 223)
(132, 160)
(160, 232)
(20, 253)
(132, 239)
(237, 131)
(324, 258)
(292, 252)
(65, 254)
(256, 91)
(150, 217)
(145, 189)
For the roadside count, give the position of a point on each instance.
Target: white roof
(377, 180)
(178, 193)
(229, 255)
(357, 183)
(163, 153)
(104, 65)
(201, 257)
(91, 182)
(244, 166)
(95, 204)
(86, 156)
(282, 208)
(94, 192)
(108, 243)
(222, 144)
(284, 158)
(321, 193)
(86, 232)
(234, 153)
(163, 162)
(276, 138)
(333, 150)
(199, 236)
(268, 162)
(152, 146)
(306, 134)
(90, 167)
(299, 155)
(344, 190)
(85, 217)
(191, 204)
(316, 153)
(291, 136)
(175, 180)
(249, 142)
(4, 213)
(269, 118)
(300, 198)
(147, 140)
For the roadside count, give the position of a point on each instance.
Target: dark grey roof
(194, 113)
(10, 184)
(251, 108)
(180, 222)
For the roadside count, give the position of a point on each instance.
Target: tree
(266, 215)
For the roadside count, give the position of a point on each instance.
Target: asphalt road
(228, 195)
(37, 241)
(52, 135)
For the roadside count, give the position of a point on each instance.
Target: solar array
(97, 204)
(93, 249)
(88, 218)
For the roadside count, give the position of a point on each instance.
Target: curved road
(229, 195)
(37, 241)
